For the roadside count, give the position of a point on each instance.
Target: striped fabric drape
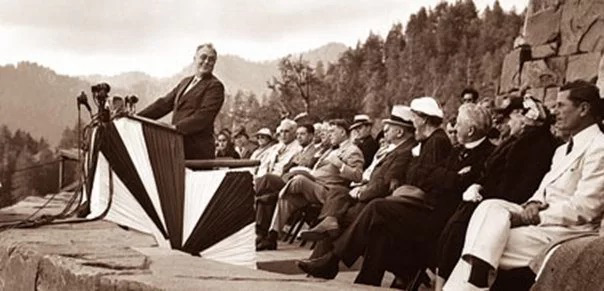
(209, 213)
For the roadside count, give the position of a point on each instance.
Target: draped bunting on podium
(200, 212)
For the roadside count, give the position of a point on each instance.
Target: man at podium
(195, 102)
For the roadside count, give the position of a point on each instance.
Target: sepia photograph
(430, 145)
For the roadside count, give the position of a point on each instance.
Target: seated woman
(224, 147)
(396, 233)
(512, 172)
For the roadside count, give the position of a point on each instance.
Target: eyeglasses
(209, 59)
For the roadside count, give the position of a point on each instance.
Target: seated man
(282, 152)
(384, 174)
(305, 134)
(268, 180)
(360, 131)
(243, 146)
(335, 168)
(268, 186)
(568, 202)
(512, 172)
(397, 233)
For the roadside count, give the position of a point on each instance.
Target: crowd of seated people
(485, 191)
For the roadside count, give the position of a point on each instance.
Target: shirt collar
(345, 142)
(585, 135)
(474, 144)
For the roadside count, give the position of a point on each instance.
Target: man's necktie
(191, 85)
(569, 146)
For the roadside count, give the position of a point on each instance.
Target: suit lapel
(181, 90)
(565, 161)
(196, 90)
(399, 150)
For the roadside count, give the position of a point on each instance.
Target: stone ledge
(102, 256)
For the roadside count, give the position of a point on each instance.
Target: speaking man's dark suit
(402, 234)
(193, 113)
(512, 172)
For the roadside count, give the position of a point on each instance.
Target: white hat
(427, 106)
(400, 115)
(264, 131)
(360, 119)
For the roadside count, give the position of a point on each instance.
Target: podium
(136, 177)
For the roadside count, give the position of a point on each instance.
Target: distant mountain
(235, 72)
(40, 101)
(35, 99)
(327, 53)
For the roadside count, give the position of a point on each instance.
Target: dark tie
(569, 147)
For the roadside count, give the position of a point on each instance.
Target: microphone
(83, 100)
(130, 103)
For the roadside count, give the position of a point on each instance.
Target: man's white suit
(574, 192)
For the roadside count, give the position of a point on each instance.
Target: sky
(158, 37)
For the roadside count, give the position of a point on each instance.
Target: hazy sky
(159, 36)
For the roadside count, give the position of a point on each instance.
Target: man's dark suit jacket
(433, 155)
(392, 167)
(369, 147)
(193, 113)
(512, 172)
(451, 185)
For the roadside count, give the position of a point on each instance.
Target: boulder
(543, 73)
(542, 27)
(583, 66)
(510, 71)
(577, 20)
(544, 51)
(593, 39)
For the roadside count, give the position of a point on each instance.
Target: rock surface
(583, 66)
(100, 255)
(578, 19)
(543, 27)
(510, 71)
(544, 50)
(543, 73)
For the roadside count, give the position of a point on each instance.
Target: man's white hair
(288, 124)
(207, 45)
(476, 116)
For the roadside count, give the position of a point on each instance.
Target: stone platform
(100, 255)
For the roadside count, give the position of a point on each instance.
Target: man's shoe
(325, 267)
(268, 243)
(83, 210)
(326, 228)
